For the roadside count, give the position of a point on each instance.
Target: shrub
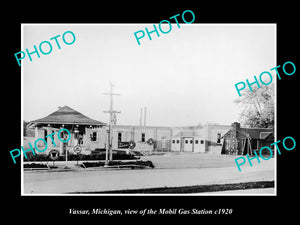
(115, 163)
(139, 163)
(75, 157)
(93, 164)
(35, 165)
(38, 158)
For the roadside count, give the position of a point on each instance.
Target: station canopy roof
(67, 115)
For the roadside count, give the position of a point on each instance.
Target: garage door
(188, 145)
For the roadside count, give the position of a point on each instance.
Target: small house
(242, 141)
(88, 133)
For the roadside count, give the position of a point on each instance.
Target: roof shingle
(67, 115)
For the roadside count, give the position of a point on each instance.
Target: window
(143, 137)
(201, 142)
(191, 141)
(80, 138)
(76, 134)
(93, 136)
(196, 142)
(173, 141)
(177, 141)
(119, 137)
(62, 135)
(45, 134)
(186, 141)
(219, 138)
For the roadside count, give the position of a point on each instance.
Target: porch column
(61, 148)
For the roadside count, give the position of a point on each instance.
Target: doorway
(188, 144)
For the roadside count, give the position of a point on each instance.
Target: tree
(257, 107)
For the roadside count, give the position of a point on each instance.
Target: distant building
(92, 136)
(242, 141)
(197, 139)
(146, 138)
(202, 138)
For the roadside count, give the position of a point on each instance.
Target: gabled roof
(258, 133)
(265, 135)
(67, 115)
(254, 133)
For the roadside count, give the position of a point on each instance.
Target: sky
(184, 78)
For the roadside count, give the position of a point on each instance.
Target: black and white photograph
(106, 115)
(140, 113)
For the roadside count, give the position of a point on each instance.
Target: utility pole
(112, 121)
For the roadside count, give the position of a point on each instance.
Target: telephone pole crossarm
(110, 94)
(112, 111)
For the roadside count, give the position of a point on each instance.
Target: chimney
(145, 112)
(235, 126)
(141, 117)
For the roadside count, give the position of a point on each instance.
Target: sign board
(53, 154)
(150, 141)
(126, 145)
(77, 149)
(131, 144)
(123, 144)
